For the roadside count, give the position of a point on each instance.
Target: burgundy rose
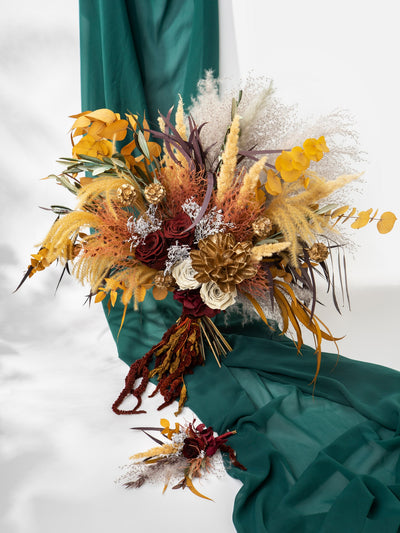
(193, 305)
(153, 251)
(191, 448)
(174, 229)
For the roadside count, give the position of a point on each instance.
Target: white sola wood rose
(212, 296)
(184, 273)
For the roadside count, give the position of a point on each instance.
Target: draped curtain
(322, 461)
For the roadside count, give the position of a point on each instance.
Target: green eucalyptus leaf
(142, 145)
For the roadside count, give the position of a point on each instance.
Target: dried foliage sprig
(189, 452)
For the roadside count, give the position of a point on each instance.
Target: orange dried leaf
(386, 222)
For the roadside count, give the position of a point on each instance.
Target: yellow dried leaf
(362, 219)
(374, 215)
(99, 297)
(339, 211)
(194, 490)
(117, 129)
(104, 115)
(273, 184)
(81, 122)
(160, 293)
(113, 297)
(386, 222)
(96, 130)
(128, 148)
(349, 215)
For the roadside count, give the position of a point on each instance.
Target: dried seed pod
(154, 193)
(126, 194)
(262, 227)
(318, 252)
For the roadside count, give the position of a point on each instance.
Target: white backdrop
(60, 445)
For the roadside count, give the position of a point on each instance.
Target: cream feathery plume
(180, 120)
(250, 180)
(181, 129)
(267, 250)
(226, 175)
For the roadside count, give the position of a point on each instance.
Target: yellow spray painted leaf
(386, 222)
(113, 297)
(117, 128)
(160, 293)
(349, 215)
(194, 490)
(273, 184)
(104, 115)
(371, 219)
(81, 122)
(339, 211)
(362, 219)
(99, 297)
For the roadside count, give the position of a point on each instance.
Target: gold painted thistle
(154, 193)
(222, 260)
(262, 227)
(163, 281)
(126, 194)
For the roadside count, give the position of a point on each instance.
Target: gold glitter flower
(163, 281)
(222, 260)
(262, 227)
(318, 252)
(126, 194)
(154, 193)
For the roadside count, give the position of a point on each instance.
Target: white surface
(60, 444)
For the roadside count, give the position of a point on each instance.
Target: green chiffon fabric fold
(326, 462)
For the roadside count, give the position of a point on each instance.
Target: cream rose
(212, 296)
(184, 273)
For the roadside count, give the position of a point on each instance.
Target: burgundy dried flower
(193, 305)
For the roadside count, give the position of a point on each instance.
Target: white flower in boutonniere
(184, 274)
(212, 296)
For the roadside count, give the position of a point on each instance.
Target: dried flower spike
(126, 194)
(318, 252)
(154, 193)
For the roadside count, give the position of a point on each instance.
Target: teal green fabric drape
(323, 463)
